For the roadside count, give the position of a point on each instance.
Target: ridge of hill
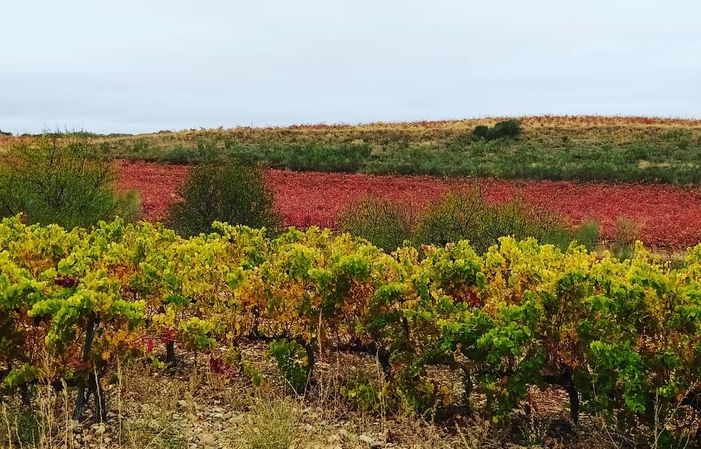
(577, 148)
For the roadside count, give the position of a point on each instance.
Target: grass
(622, 149)
(270, 425)
(191, 407)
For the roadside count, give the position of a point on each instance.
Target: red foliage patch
(668, 215)
(156, 183)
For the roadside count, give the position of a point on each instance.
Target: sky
(144, 65)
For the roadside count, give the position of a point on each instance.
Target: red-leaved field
(668, 216)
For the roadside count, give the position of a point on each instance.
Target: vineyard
(121, 333)
(621, 338)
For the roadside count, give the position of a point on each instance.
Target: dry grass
(191, 407)
(585, 127)
(550, 147)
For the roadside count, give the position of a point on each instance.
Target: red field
(668, 216)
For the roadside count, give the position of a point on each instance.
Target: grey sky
(142, 66)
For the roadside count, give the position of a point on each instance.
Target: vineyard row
(622, 338)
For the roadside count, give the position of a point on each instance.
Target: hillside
(581, 148)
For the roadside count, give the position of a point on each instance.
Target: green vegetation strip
(655, 153)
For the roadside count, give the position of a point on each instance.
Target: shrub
(467, 216)
(509, 129)
(380, 221)
(293, 362)
(363, 392)
(62, 179)
(130, 206)
(481, 131)
(623, 244)
(452, 219)
(180, 155)
(223, 188)
(317, 157)
(520, 220)
(587, 234)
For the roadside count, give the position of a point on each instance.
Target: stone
(207, 439)
(100, 430)
(370, 441)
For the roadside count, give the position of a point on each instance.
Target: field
(130, 336)
(669, 217)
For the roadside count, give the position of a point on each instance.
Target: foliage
(337, 158)
(291, 359)
(584, 148)
(467, 216)
(63, 179)
(621, 337)
(363, 392)
(587, 234)
(509, 129)
(223, 189)
(383, 223)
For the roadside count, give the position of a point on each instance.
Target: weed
(624, 240)
(271, 425)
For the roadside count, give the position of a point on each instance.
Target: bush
(293, 362)
(459, 216)
(623, 244)
(454, 218)
(509, 129)
(467, 216)
(223, 188)
(520, 220)
(62, 179)
(363, 392)
(588, 234)
(380, 221)
(481, 131)
(317, 157)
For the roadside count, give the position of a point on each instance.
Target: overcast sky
(143, 66)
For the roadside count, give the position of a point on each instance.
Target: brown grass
(191, 407)
(581, 129)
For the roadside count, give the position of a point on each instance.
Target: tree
(63, 179)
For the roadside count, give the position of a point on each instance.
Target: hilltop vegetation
(623, 149)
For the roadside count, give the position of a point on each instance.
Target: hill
(578, 148)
